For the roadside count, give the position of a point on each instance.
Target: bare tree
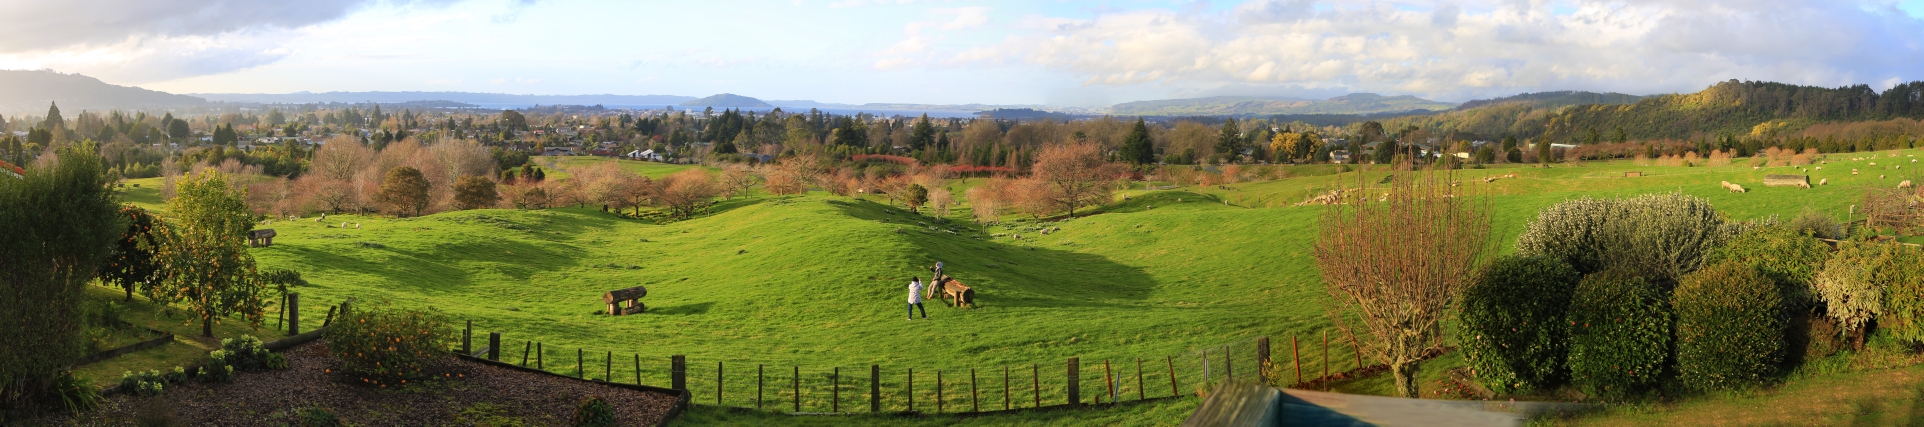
(686, 192)
(1393, 258)
(735, 179)
(1074, 175)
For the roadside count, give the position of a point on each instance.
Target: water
(832, 110)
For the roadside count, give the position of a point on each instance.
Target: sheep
(1825, 181)
(1734, 188)
(1905, 184)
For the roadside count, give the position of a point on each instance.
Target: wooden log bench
(631, 296)
(1775, 180)
(261, 238)
(957, 292)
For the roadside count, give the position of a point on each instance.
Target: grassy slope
(817, 280)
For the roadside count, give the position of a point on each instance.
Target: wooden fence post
(677, 372)
(524, 362)
(875, 388)
(467, 339)
(608, 367)
(1036, 374)
(524, 354)
(1109, 382)
(1229, 373)
(758, 386)
(718, 383)
(911, 390)
(1075, 381)
(330, 316)
(1296, 358)
(494, 346)
(294, 313)
(798, 388)
(974, 397)
(1005, 388)
(835, 391)
(539, 354)
(1173, 390)
(580, 371)
(1262, 360)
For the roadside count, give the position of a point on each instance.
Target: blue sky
(1003, 52)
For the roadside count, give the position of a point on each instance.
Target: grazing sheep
(1905, 184)
(357, 226)
(1825, 181)
(1734, 188)
(343, 224)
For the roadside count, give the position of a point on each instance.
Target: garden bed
(470, 393)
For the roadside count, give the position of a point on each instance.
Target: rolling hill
(727, 100)
(1355, 103)
(31, 91)
(461, 97)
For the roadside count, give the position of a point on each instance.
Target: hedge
(1789, 257)
(1619, 334)
(1512, 323)
(1730, 327)
(1659, 236)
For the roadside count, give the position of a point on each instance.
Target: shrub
(1619, 334)
(1730, 327)
(217, 370)
(387, 347)
(76, 393)
(58, 223)
(1848, 285)
(1659, 236)
(1512, 323)
(1817, 224)
(248, 354)
(1787, 256)
(594, 412)
(319, 417)
(148, 383)
(1903, 276)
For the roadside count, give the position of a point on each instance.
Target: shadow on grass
(683, 309)
(1011, 275)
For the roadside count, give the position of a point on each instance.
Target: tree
(915, 196)
(132, 266)
(475, 192)
(923, 134)
(735, 179)
(1229, 142)
(178, 129)
(1392, 266)
(1385, 152)
(1137, 148)
(1543, 152)
(1074, 175)
(57, 223)
(53, 117)
(686, 192)
(405, 191)
(512, 120)
(203, 252)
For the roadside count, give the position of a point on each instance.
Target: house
(558, 151)
(649, 155)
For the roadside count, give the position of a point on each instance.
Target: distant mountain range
(1556, 99)
(727, 100)
(1355, 103)
(32, 91)
(480, 99)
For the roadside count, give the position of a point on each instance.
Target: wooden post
(835, 391)
(938, 391)
(875, 388)
(798, 389)
(911, 389)
(758, 386)
(282, 317)
(330, 316)
(1262, 360)
(974, 397)
(294, 313)
(677, 372)
(1075, 381)
(1005, 388)
(530, 346)
(539, 354)
(1108, 381)
(1036, 374)
(718, 383)
(1229, 373)
(494, 346)
(608, 367)
(1140, 394)
(467, 339)
(579, 360)
(1326, 353)
(1296, 358)
(637, 368)
(1173, 390)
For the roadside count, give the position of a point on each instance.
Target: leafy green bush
(1659, 236)
(76, 393)
(1817, 224)
(1730, 327)
(149, 383)
(1903, 276)
(1619, 334)
(58, 223)
(387, 347)
(1787, 256)
(594, 412)
(1512, 323)
(217, 370)
(247, 354)
(1849, 285)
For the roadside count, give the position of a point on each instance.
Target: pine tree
(1229, 143)
(1137, 148)
(53, 117)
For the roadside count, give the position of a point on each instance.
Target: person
(915, 298)
(934, 281)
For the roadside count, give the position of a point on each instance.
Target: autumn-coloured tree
(916, 195)
(735, 179)
(405, 191)
(475, 192)
(1393, 258)
(1074, 175)
(203, 254)
(687, 192)
(132, 266)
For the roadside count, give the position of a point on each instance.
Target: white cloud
(965, 17)
(1488, 48)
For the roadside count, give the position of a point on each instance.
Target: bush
(76, 393)
(387, 347)
(1903, 276)
(594, 412)
(1730, 327)
(149, 383)
(217, 370)
(1658, 236)
(1787, 256)
(319, 417)
(1817, 224)
(248, 354)
(1512, 323)
(58, 223)
(1619, 334)
(1848, 285)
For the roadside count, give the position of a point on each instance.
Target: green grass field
(817, 281)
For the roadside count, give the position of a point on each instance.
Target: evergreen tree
(1137, 148)
(53, 117)
(923, 135)
(1229, 142)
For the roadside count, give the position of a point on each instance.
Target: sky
(1052, 52)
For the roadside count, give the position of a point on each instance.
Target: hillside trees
(203, 252)
(1393, 266)
(1137, 148)
(405, 191)
(1074, 175)
(687, 192)
(475, 192)
(58, 223)
(1229, 142)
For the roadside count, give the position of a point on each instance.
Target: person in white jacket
(915, 298)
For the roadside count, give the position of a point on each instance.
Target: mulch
(464, 393)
